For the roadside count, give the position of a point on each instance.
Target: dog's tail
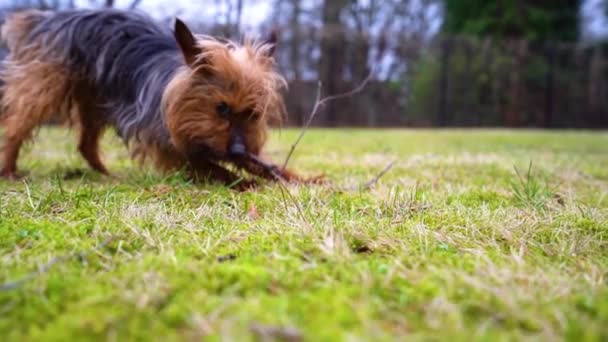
(17, 26)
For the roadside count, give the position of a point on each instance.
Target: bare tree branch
(319, 103)
(134, 4)
(42, 4)
(239, 13)
(369, 184)
(268, 167)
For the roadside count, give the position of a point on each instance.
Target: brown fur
(37, 89)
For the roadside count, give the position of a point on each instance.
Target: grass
(487, 234)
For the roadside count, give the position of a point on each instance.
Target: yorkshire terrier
(179, 100)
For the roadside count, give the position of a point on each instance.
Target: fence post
(442, 114)
(549, 86)
(595, 88)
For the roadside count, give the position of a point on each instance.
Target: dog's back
(101, 56)
(87, 67)
(90, 42)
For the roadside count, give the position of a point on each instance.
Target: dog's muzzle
(237, 144)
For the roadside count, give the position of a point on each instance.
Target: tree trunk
(298, 111)
(547, 120)
(594, 89)
(239, 13)
(442, 114)
(512, 115)
(331, 66)
(295, 40)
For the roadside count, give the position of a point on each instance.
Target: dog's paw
(11, 175)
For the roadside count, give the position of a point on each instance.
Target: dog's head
(221, 103)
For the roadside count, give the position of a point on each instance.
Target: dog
(179, 100)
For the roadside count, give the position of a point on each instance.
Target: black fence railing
(457, 81)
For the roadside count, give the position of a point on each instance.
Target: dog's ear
(187, 43)
(272, 40)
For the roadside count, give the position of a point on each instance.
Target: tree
(521, 23)
(528, 19)
(331, 64)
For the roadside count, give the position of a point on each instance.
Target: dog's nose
(237, 145)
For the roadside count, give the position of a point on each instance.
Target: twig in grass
(370, 183)
(42, 269)
(319, 103)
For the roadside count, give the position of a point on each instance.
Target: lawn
(482, 234)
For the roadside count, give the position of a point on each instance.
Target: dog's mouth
(239, 157)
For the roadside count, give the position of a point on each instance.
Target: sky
(595, 25)
(254, 11)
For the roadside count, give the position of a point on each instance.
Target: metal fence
(461, 81)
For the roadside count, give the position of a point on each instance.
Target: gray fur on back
(125, 57)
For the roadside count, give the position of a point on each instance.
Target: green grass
(488, 235)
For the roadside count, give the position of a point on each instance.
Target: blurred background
(434, 63)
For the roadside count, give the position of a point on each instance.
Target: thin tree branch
(320, 102)
(369, 184)
(134, 4)
(43, 5)
(270, 168)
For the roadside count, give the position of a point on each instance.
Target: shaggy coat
(178, 100)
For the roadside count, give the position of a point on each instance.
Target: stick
(320, 102)
(270, 168)
(369, 184)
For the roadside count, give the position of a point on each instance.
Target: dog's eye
(223, 109)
